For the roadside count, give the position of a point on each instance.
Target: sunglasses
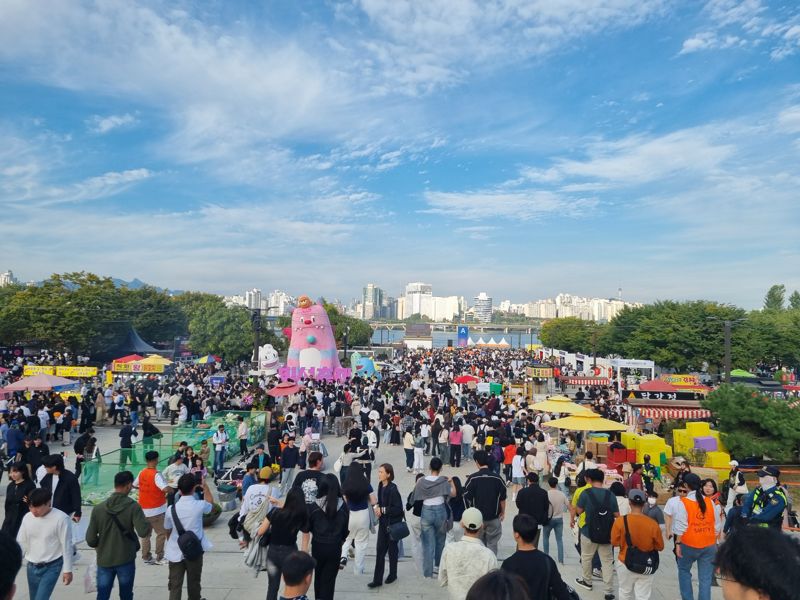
(682, 491)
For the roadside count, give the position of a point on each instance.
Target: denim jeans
(433, 534)
(219, 460)
(466, 451)
(42, 580)
(704, 557)
(124, 574)
(556, 526)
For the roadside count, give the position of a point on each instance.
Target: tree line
(689, 336)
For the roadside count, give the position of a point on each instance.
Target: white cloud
(101, 125)
(493, 204)
(789, 119)
(740, 23)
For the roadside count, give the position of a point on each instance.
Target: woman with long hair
(91, 463)
(283, 524)
(697, 525)
(408, 449)
(419, 450)
(389, 511)
(16, 503)
(457, 508)
(560, 473)
(327, 523)
(359, 497)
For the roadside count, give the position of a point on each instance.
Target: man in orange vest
(152, 488)
(697, 526)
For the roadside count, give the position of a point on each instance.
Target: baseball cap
(769, 471)
(636, 497)
(260, 447)
(472, 519)
(734, 463)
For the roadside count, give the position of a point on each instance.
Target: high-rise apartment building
(483, 308)
(372, 302)
(7, 278)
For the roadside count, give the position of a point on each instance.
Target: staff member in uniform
(697, 525)
(764, 506)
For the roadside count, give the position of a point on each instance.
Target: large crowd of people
(305, 517)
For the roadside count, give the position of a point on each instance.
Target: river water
(517, 339)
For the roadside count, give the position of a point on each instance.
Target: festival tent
(155, 359)
(743, 373)
(285, 388)
(655, 385)
(208, 359)
(560, 404)
(466, 379)
(129, 358)
(40, 383)
(587, 422)
(133, 343)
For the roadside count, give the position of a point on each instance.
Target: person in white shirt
(467, 560)
(189, 511)
(243, 432)
(467, 435)
(220, 441)
(46, 540)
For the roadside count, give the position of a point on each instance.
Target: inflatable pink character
(312, 344)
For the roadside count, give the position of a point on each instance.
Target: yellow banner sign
(539, 372)
(29, 370)
(680, 380)
(135, 367)
(76, 371)
(63, 371)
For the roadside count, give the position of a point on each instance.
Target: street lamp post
(727, 326)
(345, 338)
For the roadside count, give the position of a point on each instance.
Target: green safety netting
(97, 476)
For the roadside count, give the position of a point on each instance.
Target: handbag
(573, 595)
(398, 531)
(638, 561)
(189, 544)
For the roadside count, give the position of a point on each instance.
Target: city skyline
(498, 146)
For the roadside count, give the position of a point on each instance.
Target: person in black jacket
(389, 510)
(17, 493)
(67, 492)
(535, 502)
(328, 521)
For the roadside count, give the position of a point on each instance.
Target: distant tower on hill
(619, 294)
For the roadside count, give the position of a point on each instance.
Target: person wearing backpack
(187, 541)
(639, 539)
(114, 530)
(601, 509)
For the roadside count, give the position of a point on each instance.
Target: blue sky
(518, 147)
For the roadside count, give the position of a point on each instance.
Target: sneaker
(580, 582)
(597, 574)
(149, 561)
(609, 597)
(159, 561)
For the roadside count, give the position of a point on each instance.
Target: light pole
(345, 337)
(727, 326)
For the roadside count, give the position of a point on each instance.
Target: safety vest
(701, 531)
(760, 500)
(149, 494)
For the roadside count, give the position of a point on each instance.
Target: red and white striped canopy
(674, 413)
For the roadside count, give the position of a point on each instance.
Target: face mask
(652, 501)
(767, 482)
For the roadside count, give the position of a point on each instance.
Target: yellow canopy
(560, 404)
(589, 421)
(154, 359)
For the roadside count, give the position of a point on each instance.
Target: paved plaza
(226, 578)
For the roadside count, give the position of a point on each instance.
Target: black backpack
(600, 521)
(188, 542)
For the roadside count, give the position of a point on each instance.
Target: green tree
(752, 424)
(78, 312)
(360, 331)
(217, 329)
(154, 314)
(794, 300)
(569, 333)
(775, 297)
